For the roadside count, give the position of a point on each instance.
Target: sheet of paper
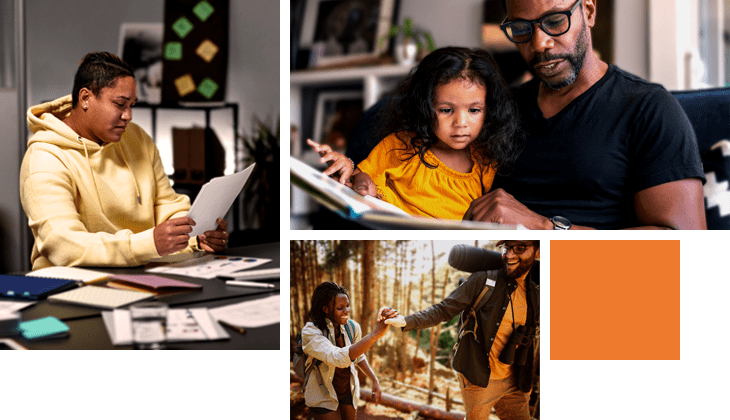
(193, 325)
(250, 314)
(120, 331)
(214, 200)
(13, 306)
(210, 266)
(182, 325)
(179, 257)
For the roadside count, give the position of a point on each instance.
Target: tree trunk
(433, 342)
(294, 288)
(409, 406)
(368, 265)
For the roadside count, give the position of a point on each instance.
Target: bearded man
(603, 148)
(494, 356)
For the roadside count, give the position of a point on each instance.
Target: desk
(87, 330)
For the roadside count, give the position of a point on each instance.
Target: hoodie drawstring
(134, 178)
(93, 177)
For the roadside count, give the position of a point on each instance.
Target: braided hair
(323, 295)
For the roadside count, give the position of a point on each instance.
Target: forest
(414, 368)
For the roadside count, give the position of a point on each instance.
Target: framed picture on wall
(336, 115)
(343, 31)
(140, 45)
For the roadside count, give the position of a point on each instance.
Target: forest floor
(444, 378)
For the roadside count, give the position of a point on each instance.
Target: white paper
(214, 200)
(209, 266)
(13, 306)
(71, 273)
(250, 314)
(122, 331)
(194, 324)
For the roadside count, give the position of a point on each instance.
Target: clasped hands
(391, 317)
(173, 235)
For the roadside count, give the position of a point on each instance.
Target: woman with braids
(446, 134)
(334, 343)
(92, 183)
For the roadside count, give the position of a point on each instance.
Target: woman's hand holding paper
(214, 240)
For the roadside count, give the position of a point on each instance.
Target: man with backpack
(500, 313)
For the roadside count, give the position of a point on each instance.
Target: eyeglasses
(554, 24)
(517, 249)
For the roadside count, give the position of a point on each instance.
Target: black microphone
(472, 259)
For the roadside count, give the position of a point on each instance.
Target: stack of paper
(182, 325)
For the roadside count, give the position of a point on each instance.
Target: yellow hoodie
(92, 205)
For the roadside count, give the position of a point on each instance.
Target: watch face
(561, 222)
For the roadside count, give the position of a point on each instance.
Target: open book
(367, 210)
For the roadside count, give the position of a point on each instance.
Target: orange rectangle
(614, 300)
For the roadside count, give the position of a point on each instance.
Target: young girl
(326, 338)
(449, 129)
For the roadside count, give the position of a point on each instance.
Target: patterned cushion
(716, 163)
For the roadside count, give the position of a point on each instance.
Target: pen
(266, 273)
(249, 284)
(240, 330)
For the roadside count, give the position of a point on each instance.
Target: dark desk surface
(87, 330)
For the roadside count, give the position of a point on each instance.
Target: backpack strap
(318, 373)
(480, 301)
(314, 364)
(349, 325)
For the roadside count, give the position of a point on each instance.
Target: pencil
(240, 330)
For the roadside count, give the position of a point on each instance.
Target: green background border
(254, 384)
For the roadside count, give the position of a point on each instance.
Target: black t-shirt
(621, 136)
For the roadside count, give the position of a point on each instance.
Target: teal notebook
(48, 327)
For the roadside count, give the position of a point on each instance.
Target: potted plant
(261, 193)
(408, 44)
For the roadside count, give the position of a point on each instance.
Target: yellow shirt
(404, 181)
(519, 304)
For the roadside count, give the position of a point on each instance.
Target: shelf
(375, 81)
(331, 76)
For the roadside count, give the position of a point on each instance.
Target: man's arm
(459, 299)
(672, 205)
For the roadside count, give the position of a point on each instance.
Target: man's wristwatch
(560, 223)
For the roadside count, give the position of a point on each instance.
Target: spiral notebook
(100, 297)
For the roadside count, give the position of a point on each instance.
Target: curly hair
(322, 296)
(411, 115)
(96, 71)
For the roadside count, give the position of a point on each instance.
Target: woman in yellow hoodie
(92, 183)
